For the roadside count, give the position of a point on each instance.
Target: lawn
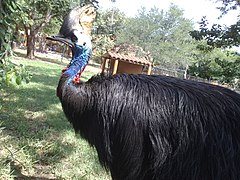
(37, 141)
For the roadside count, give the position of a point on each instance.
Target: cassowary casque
(151, 127)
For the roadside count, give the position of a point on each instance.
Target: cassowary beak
(80, 19)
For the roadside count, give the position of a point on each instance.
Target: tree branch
(46, 20)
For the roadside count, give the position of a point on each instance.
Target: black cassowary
(153, 127)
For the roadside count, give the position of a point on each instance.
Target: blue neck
(80, 57)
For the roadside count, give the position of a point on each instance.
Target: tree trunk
(31, 31)
(42, 43)
(41, 47)
(30, 43)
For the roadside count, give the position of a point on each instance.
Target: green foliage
(204, 65)
(53, 26)
(10, 73)
(35, 15)
(230, 67)
(102, 43)
(164, 34)
(109, 21)
(36, 11)
(105, 28)
(215, 64)
(228, 5)
(7, 22)
(213, 60)
(218, 36)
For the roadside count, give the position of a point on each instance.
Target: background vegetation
(167, 35)
(36, 139)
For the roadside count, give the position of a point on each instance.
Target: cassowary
(152, 127)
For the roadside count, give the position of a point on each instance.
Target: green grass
(36, 139)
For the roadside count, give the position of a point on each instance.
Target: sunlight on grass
(36, 139)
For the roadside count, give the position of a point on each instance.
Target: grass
(37, 142)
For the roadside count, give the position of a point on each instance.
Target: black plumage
(157, 127)
(151, 127)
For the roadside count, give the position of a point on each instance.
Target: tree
(105, 29)
(230, 67)
(10, 73)
(105, 24)
(35, 14)
(223, 65)
(228, 5)
(204, 65)
(164, 34)
(220, 36)
(215, 63)
(7, 16)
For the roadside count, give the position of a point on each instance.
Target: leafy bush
(12, 74)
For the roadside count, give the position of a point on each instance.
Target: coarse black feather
(157, 127)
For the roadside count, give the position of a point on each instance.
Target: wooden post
(103, 65)
(149, 69)
(115, 67)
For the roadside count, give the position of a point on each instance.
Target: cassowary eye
(74, 38)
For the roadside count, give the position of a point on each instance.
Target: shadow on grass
(32, 114)
(18, 175)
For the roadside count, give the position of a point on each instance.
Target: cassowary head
(75, 32)
(76, 25)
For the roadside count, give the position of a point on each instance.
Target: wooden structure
(122, 63)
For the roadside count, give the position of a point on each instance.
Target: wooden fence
(183, 75)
